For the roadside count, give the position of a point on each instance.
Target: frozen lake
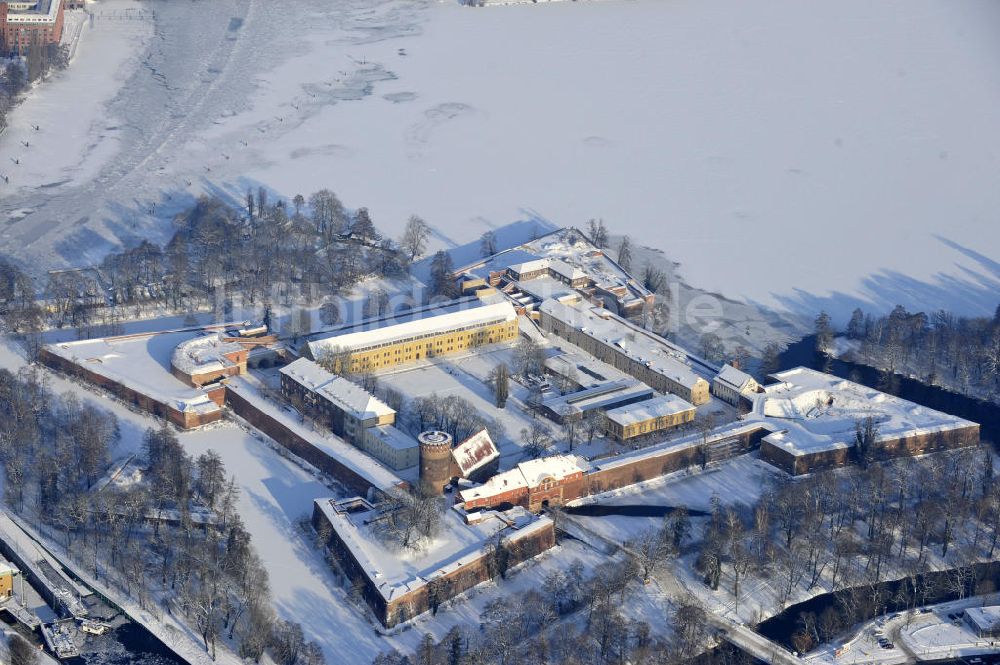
(796, 155)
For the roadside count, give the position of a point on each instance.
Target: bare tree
(488, 244)
(625, 253)
(536, 439)
(415, 235)
(408, 520)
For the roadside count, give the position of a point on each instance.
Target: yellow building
(654, 415)
(7, 574)
(431, 334)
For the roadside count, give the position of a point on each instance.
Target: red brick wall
(296, 444)
(406, 606)
(3, 28)
(904, 446)
(183, 419)
(198, 380)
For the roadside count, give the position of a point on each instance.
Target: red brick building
(24, 23)
(535, 484)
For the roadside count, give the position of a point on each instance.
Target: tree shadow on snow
(972, 292)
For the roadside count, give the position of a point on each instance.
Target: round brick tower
(435, 461)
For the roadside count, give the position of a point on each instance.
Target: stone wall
(296, 444)
(183, 419)
(407, 605)
(890, 448)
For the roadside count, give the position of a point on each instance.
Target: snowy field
(796, 155)
(274, 494)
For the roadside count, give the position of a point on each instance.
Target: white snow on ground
(930, 634)
(275, 493)
(142, 363)
(739, 480)
(823, 146)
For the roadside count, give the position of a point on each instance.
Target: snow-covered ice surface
(796, 155)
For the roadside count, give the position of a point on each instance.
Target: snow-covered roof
(346, 395)
(204, 354)
(456, 545)
(478, 313)
(817, 411)
(331, 445)
(554, 466)
(723, 432)
(734, 378)
(140, 362)
(599, 396)
(573, 248)
(526, 475)
(498, 484)
(475, 452)
(394, 437)
(585, 370)
(565, 270)
(658, 407)
(640, 345)
(307, 373)
(544, 287)
(354, 399)
(567, 253)
(986, 619)
(533, 265)
(45, 11)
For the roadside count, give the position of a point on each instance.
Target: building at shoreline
(734, 386)
(554, 265)
(24, 24)
(814, 419)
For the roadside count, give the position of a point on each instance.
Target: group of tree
(265, 253)
(175, 538)
(712, 348)
(452, 414)
(832, 532)
(962, 353)
(846, 533)
(529, 627)
(407, 520)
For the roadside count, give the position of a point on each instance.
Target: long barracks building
(625, 346)
(423, 333)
